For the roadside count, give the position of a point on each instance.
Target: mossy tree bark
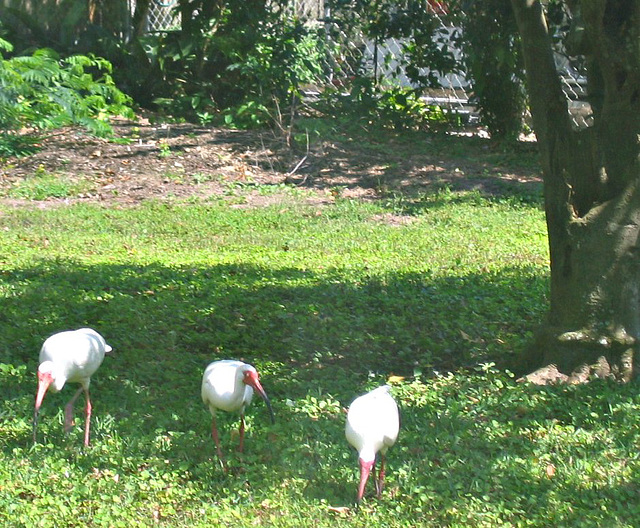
(591, 191)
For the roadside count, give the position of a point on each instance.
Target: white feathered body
(72, 356)
(373, 422)
(223, 386)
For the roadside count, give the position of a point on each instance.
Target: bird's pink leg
(375, 480)
(87, 423)
(241, 445)
(216, 439)
(380, 482)
(68, 411)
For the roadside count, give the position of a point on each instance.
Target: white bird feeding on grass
(372, 427)
(71, 356)
(228, 385)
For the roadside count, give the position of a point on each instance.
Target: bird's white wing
(222, 387)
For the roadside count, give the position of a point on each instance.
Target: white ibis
(71, 356)
(372, 427)
(228, 385)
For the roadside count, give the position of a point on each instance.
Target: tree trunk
(591, 191)
(140, 18)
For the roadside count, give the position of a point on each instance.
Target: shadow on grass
(303, 323)
(313, 338)
(305, 332)
(379, 163)
(383, 163)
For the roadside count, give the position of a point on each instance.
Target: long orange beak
(365, 470)
(44, 380)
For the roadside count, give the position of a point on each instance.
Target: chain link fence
(350, 54)
(163, 15)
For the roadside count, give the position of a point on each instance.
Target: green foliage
(287, 56)
(44, 91)
(493, 62)
(244, 62)
(251, 114)
(43, 185)
(327, 303)
(425, 45)
(17, 145)
(239, 61)
(384, 107)
(486, 34)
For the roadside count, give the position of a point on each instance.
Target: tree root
(579, 357)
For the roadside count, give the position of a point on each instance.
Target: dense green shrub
(493, 63)
(246, 61)
(43, 91)
(477, 38)
(240, 62)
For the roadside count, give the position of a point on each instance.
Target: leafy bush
(493, 62)
(484, 31)
(44, 91)
(287, 57)
(239, 72)
(391, 108)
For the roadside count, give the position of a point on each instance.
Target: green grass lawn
(327, 302)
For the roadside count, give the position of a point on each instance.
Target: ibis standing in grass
(71, 356)
(372, 427)
(228, 385)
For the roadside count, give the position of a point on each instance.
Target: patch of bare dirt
(148, 160)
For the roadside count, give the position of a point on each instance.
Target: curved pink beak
(251, 379)
(258, 388)
(365, 470)
(44, 380)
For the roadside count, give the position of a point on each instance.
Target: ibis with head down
(72, 356)
(373, 423)
(228, 385)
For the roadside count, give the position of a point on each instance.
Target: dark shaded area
(167, 323)
(393, 324)
(151, 160)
